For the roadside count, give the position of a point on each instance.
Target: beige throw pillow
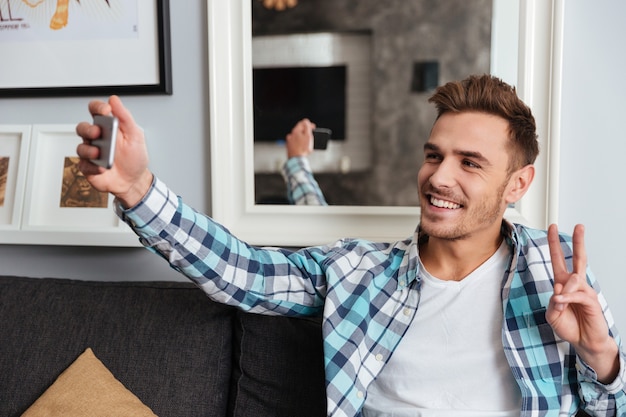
(88, 388)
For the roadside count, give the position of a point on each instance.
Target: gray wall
(593, 145)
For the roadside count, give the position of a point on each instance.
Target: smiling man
(465, 183)
(471, 316)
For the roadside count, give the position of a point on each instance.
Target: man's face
(464, 180)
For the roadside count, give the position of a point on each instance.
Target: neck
(453, 260)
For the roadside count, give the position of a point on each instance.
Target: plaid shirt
(369, 293)
(302, 188)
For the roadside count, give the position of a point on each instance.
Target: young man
(472, 316)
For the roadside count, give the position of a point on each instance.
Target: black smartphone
(321, 136)
(106, 142)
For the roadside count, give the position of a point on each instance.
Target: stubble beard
(486, 213)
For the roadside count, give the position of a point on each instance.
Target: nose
(443, 175)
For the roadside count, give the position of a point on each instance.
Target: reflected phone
(106, 142)
(321, 136)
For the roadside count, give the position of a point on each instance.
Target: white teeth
(443, 203)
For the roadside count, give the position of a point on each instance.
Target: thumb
(558, 290)
(126, 121)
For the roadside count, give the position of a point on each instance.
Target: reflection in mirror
(393, 54)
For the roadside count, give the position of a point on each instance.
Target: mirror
(232, 153)
(392, 54)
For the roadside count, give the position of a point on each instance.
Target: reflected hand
(300, 139)
(279, 4)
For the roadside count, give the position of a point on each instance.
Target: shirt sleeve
(302, 188)
(262, 280)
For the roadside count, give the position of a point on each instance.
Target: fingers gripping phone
(106, 142)
(320, 137)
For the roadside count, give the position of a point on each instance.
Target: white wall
(593, 141)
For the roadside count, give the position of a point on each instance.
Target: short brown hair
(489, 94)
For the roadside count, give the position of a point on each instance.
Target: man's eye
(432, 156)
(470, 164)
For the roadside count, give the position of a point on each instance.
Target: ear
(519, 183)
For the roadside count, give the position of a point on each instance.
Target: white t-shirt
(451, 361)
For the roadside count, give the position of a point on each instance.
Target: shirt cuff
(589, 374)
(153, 213)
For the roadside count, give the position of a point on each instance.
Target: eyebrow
(469, 154)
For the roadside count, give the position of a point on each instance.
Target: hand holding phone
(106, 142)
(321, 137)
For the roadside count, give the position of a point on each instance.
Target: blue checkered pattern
(369, 293)
(302, 188)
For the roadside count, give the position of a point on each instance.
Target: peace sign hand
(574, 311)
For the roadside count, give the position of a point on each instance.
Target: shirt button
(359, 394)
(379, 357)
(407, 311)
(403, 283)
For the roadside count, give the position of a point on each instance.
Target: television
(284, 95)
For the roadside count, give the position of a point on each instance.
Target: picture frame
(58, 198)
(122, 48)
(14, 145)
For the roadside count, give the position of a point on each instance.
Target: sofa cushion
(87, 388)
(165, 341)
(278, 368)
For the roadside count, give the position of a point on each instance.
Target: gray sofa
(178, 352)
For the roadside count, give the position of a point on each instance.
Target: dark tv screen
(284, 95)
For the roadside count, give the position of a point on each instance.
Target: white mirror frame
(232, 176)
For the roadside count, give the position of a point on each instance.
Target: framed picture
(86, 47)
(58, 197)
(14, 142)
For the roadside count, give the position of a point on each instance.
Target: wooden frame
(229, 34)
(127, 54)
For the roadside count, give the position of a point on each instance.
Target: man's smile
(444, 203)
